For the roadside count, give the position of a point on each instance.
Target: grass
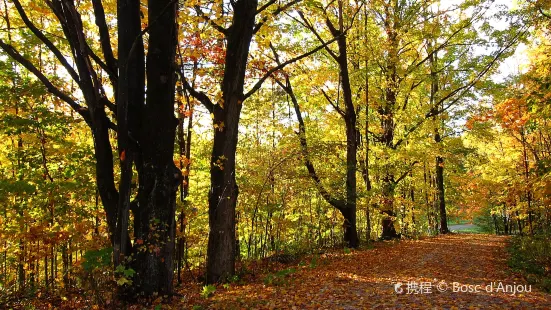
(473, 230)
(457, 221)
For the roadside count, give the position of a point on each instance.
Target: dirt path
(371, 279)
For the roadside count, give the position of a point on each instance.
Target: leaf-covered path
(369, 279)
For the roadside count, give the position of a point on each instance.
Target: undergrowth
(531, 256)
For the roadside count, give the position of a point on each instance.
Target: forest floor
(409, 274)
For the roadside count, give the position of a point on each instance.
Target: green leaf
(129, 273)
(122, 281)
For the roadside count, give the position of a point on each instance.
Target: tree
(346, 206)
(413, 35)
(145, 129)
(226, 112)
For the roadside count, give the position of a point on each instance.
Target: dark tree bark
(386, 112)
(224, 191)
(145, 132)
(130, 100)
(221, 251)
(440, 197)
(439, 168)
(159, 177)
(441, 200)
(352, 137)
(389, 231)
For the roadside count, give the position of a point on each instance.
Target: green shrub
(208, 290)
(97, 259)
(531, 256)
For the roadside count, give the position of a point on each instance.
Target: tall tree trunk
(223, 193)
(348, 206)
(130, 100)
(350, 231)
(386, 112)
(184, 142)
(159, 177)
(440, 195)
(527, 180)
(389, 231)
(412, 197)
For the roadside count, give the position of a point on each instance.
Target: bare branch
(102, 64)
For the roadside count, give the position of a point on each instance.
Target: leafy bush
(208, 290)
(124, 275)
(97, 259)
(532, 257)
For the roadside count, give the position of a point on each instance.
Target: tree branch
(46, 41)
(282, 65)
(546, 15)
(265, 6)
(375, 136)
(12, 52)
(102, 64)
(405, 173)
(338, 204)
(201, 96)
(209, 21)
(336, 107)
(460, 91)
(313, 30)
(436, 49)
(105, 41)
(275, 13)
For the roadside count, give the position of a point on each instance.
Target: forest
(201, 154)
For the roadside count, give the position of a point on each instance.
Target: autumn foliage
(262, 158)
